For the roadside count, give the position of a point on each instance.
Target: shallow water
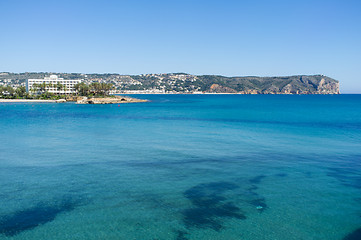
(183, 167)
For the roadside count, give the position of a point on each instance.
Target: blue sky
(231, 38)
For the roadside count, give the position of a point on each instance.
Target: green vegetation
(94, 89)
(39, 91)
(11, 93)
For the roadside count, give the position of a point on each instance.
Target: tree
(82, 89)
(7, 91)
(100, 88)
(20, 92)
(94, 88)
(34, 88)
(2, 91)
(59, 86)
(106, 87)
(42, 87)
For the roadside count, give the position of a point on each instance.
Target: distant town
(169, 83)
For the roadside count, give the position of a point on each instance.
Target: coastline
(221, 93)
(26, 101)
(82, 100)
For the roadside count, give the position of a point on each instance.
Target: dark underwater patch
(347, 176)
(257, 179)
(347, 170)
(212, 203)
(255, 199)
(208, 191)
(210, 206)
(281, 175)
(252, 188)
(181, 235)
(355, 235)
(30, 218)
(211, 216)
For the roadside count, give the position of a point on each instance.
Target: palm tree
(43, 87)
(59, 86)
(34, 88)
(82, 89)
(94, 88)
(106, 87)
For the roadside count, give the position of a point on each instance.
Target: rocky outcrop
(108, 100)
(325, 87)
(216, 88)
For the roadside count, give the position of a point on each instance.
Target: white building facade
(54, 84)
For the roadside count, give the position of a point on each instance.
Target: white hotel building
(68, 85)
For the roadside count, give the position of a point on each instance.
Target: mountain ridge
(188, 83)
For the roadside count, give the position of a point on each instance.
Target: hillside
(187, 83)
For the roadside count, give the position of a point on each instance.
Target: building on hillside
(52, 84)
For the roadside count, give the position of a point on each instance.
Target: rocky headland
(314, 84)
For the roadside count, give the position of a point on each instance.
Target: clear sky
(231, 38)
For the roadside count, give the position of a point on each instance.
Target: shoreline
(132, 100)
(123, 94)
(81, 100)
(26, 101)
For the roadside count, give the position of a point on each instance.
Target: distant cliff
(316, 84)
(187, 83)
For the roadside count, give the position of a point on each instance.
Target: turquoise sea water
(183, 167)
